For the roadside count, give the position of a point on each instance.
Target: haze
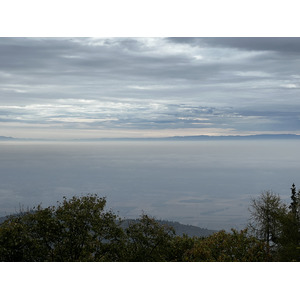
(208, 184)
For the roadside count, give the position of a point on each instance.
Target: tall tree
(294, 206)
(289, 242)
(266, 213)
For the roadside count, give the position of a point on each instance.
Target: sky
(41, 85)
(69, 88)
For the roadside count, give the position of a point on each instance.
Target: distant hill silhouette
(172, 138)
(203, 138)
(236, 137)
(6, 138)
(180, 229)
(189, 230)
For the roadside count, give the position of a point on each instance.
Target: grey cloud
(63, 58)
(226, 81)
(193, 201)
(183, 40)
(284, 44)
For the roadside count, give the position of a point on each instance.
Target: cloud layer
(110, 87)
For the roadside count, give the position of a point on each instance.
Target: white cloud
(290, 86)
(198, 57)
(5, 74)
(13, 90)
(150, 87)
(81, 120)
(253, 74)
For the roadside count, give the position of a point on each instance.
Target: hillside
(180, 229)
(6, 138)
(189, 230)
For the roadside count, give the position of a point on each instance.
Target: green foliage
(81, 229)
(295, 204)
(180, 245)
(87, 232)
(289, 241)
(267, 212)
(228, 247)
(288, 248)
(147, 240)
(28, 236)
(76, 230)
(277, 225)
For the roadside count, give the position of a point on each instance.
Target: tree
(147, 240)
(180, 246)
(78, 229)
(29, 236)
(295, 204)
(267, 212)
(289, 242)
(87, 231)
(228, 247)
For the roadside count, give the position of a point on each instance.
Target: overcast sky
(148, 87)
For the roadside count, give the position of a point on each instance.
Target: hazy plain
(203, 183)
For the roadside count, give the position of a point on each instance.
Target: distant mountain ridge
(172, 138)
(179, 228)
(6, 138)
(202, 138)
(238, 137)
(189, 230)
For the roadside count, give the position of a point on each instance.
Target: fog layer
(208, 184)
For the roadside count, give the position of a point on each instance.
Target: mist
(204, 183)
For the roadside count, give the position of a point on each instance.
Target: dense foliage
(81, 229)
(277, 224)
(228, 247)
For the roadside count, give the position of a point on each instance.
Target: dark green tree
(147, 240)
(222, 246)
(78, 229)
(180, 246)
(289, 242)
(266, 214)
(88, 232)
(295, 204)
(29, 236)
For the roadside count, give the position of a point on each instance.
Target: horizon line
(283, 135)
